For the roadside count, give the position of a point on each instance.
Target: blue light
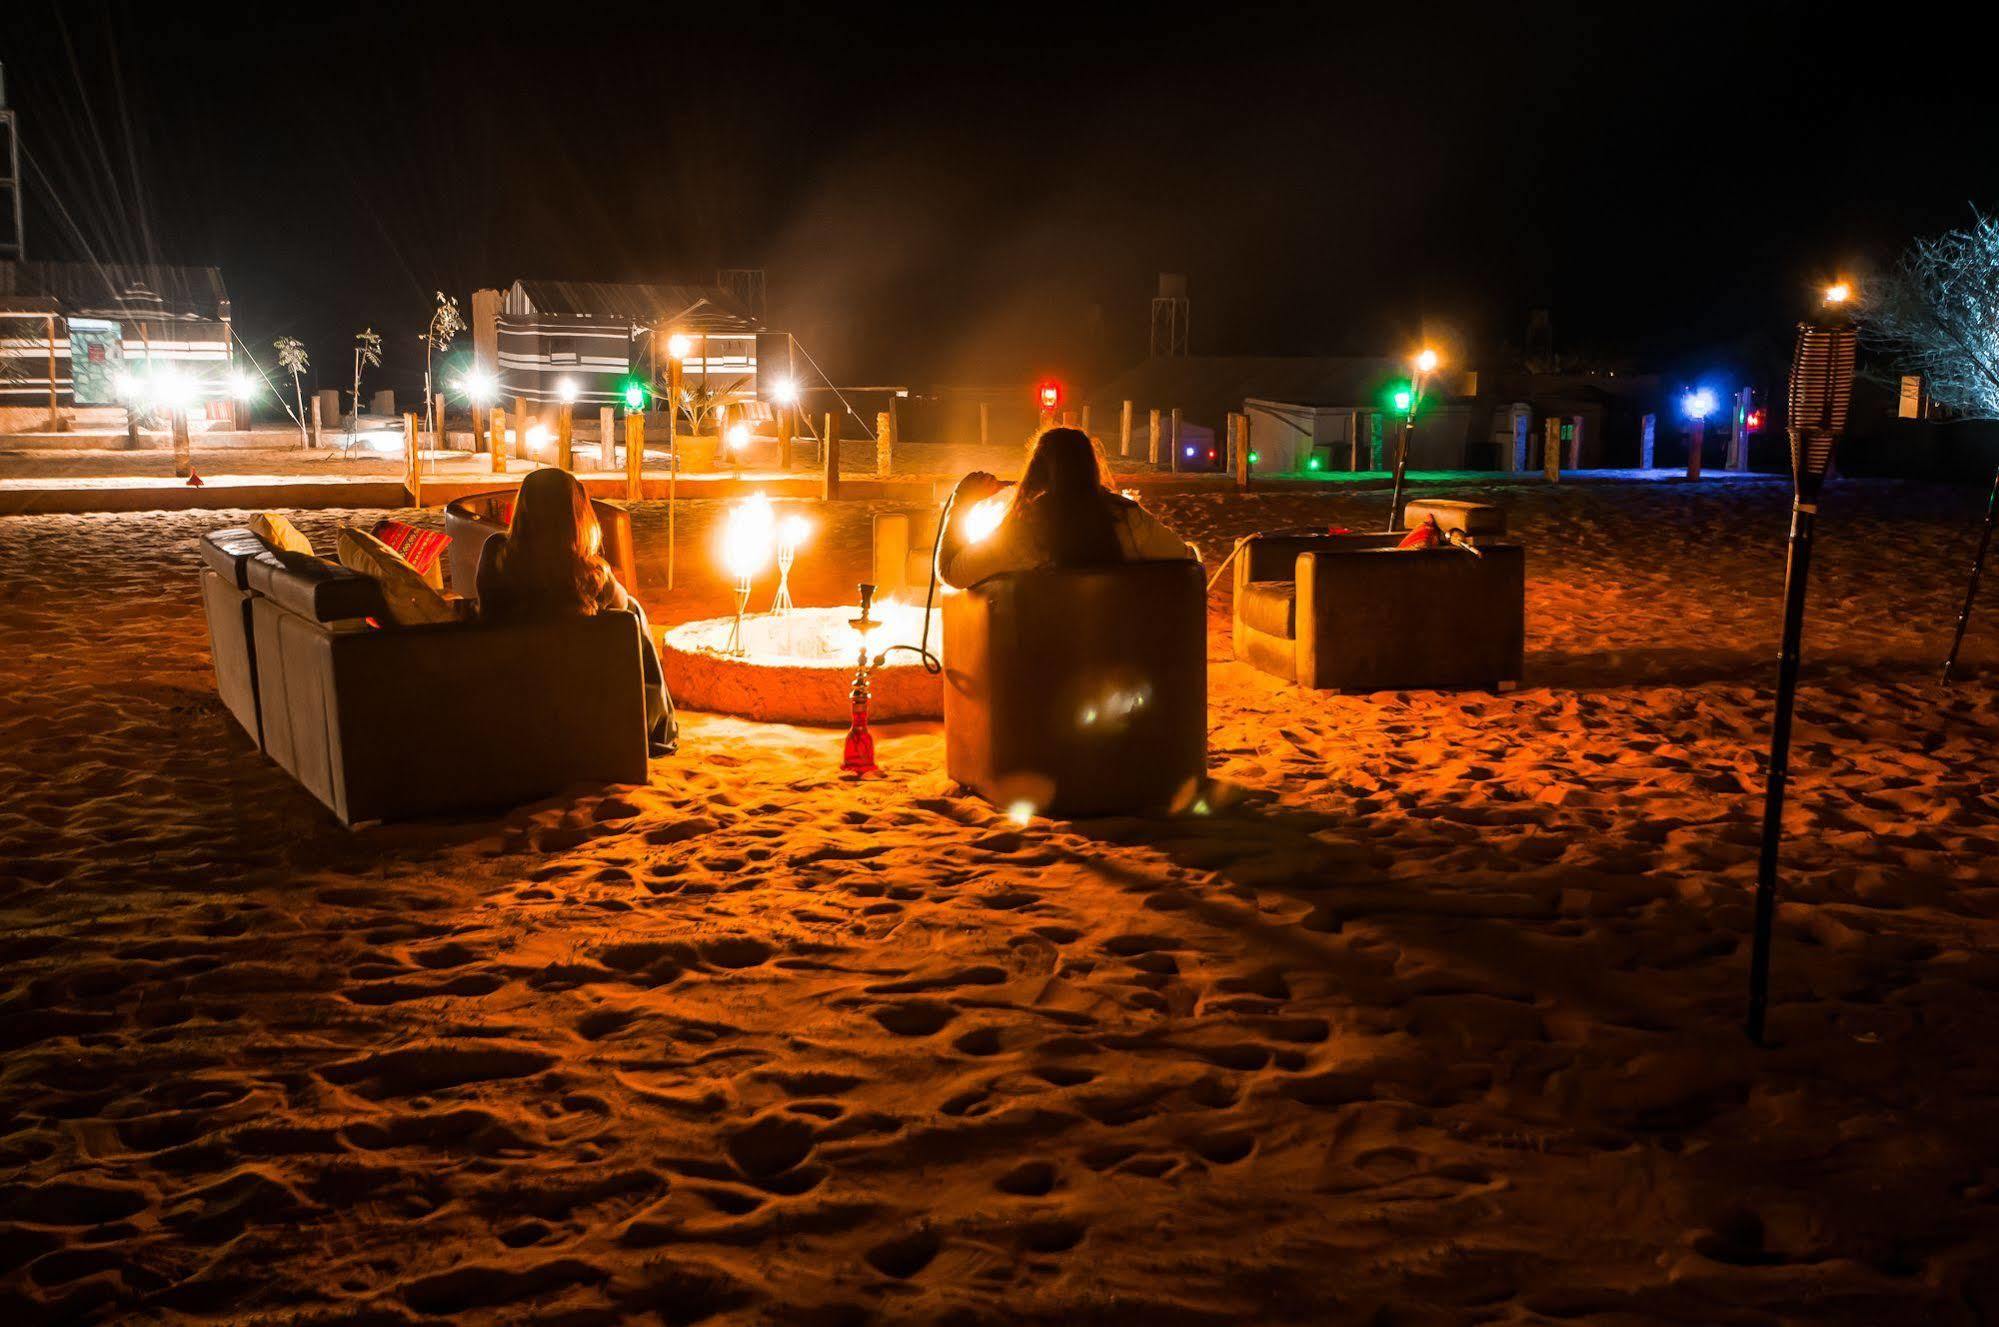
(1698, 403)
(1190, 451)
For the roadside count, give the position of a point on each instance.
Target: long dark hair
(554, 549)
(1065, 501)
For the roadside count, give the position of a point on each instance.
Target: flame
(748, 537)
(985, 517)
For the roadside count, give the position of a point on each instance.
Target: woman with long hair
(1062, 513)
(550, 564)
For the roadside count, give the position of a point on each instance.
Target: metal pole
(1401, 464)
(1797, 566)
(1977, 569)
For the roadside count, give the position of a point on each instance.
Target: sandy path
(1434, 1021)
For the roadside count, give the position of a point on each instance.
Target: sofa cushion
(313, 587)
(410, 600)
(279, 533)
(1271, 607)
(228, 554)
(1472, 518)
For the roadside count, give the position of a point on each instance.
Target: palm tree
(292, 359)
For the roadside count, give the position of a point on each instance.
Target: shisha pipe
(858, 758)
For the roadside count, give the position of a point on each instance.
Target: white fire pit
(798, 667)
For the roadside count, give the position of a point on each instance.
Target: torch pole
(1977, 570)
(1796, 567)
(1402, 455)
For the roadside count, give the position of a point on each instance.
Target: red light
(1051, 395)
(1754, 421)
(1211, 456)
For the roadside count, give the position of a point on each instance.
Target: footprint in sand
(1029, 1179)
(770, 1146)
(915, 1018)
(905, 1255)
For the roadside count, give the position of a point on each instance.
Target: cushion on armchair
(1271, 607)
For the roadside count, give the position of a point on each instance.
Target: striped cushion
(421, 546)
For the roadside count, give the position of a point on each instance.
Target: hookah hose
(931, 663)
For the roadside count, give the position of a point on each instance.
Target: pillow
(279, 534)
(411, 601)
(1423, 536)
(420, 546)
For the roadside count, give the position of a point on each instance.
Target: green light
(1403, 399)
(635, 396)
(1252, 458)
(1312, 464)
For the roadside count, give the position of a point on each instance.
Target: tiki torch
(1821, 386)
(1425, 363)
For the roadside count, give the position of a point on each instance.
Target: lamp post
(1821, 386)
(1696, 405)
(677, 347)
(1424, 364)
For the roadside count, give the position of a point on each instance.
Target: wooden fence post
(1173, 440)
(437, 441)
(1551, 449)
(183, 445)
(884, 444)
(521, 427)
(1239, 443)
(829, 483)
(412, 470)
(1124, 431)
(1155, 430)
(607, 454)
(565, 423)
(985, 423)
(1084, 419)
(496, 425)
(635, 454)
(317, 441)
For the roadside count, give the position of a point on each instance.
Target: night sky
(938, 198)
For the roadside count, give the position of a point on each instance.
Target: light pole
(677, 347)
(1424, 364)
(1821, 386)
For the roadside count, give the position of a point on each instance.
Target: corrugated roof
(1207, 386)
(696, 308)
(120, 290)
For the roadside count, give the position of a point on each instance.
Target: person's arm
(1151, 539)
(956, 555)
(611, 596)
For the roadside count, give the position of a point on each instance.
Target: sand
(1436, 1019)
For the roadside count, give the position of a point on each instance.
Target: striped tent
(80, 324)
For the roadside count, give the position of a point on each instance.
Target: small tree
(1938, 313)
(445, 325)
(367, 355)
(292, 359)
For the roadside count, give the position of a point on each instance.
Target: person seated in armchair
(1062, 513)
(550, 563)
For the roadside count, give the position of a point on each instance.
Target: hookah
(859, 758)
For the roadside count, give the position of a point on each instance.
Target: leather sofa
(903, 543)
(392, 723)
(1079, 692)
(1351, 612)
(477, 517)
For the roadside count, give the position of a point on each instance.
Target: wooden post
(1648, 435)
(1083, 420)
(829, 484)
(496, 424)
(521, 427)
(1353, 440)
(607, 445)
(437, 440)
(1695, 440)
(1551, 449)
(317, 424)
(1173, 440)
(985, 423)
(1575, 442)
(132, 429)
(412, 471)
(786, 452)
(884, 444)
(183, 446)
(1738, 432)
(565, 423)
(479, 438)
(55, 414)
(1124, 431)
(635, 454)
(1068, 419)
(1154, 435)
(1239, 441)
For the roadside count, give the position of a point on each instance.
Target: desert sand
(1435, 1019)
